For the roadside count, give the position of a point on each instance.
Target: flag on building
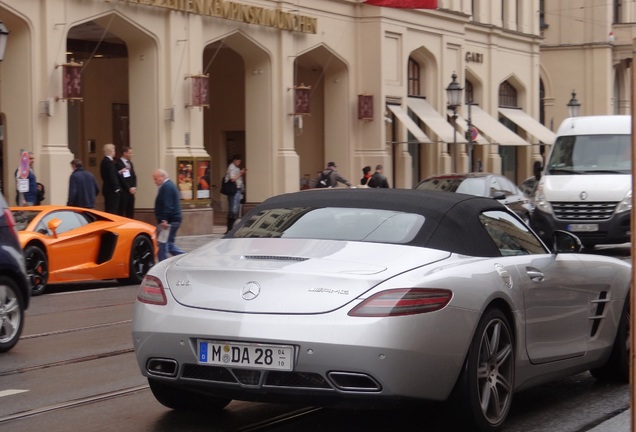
(405, 4)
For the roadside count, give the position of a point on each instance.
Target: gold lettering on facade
(238, 12)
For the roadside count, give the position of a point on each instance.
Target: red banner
(405, 4)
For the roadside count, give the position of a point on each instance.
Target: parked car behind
(528, 187)
(15, 290)
(482, 184)
(70, 244)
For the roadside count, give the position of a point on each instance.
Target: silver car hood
(287, 275)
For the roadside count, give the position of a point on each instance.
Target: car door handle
(535, 275)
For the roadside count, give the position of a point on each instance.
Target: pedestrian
(366, 175)
(128, 180)
(167, 212)
(330, 177)
(234, 174)
(378, 180)
(111, 186)
(27, 197)
(82, 186)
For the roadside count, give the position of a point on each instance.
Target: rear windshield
(333, 223)
(591, 154)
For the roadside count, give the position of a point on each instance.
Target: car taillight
(151, 291)
(10, 221)
(403, 301)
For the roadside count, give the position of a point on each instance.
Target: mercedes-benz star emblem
(583, 195)
(250, 290)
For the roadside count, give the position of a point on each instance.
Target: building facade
(587, 49)
(289, 85)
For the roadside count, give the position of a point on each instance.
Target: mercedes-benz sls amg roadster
(374, 296)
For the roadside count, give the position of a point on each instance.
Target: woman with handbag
(234, 174)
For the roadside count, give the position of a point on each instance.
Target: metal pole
(455, 139)
(632, 299)
(469, 137)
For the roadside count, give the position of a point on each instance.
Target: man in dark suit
(82, 186)
(111, 187)
(128, 180)
(167, 212)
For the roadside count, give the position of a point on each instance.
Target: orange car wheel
(37, 267)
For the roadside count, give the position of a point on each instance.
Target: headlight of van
(540, 201)
(624, 205)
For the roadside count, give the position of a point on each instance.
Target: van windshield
(591, 154)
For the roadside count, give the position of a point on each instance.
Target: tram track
(74, 403)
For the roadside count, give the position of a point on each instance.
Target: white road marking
(11, 392)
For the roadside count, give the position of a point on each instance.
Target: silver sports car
(371, 296)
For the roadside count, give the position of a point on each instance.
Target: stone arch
(521, 89)
(240, 119)
(131, 100)
(325, 134)
(429, 74)
(18, 111)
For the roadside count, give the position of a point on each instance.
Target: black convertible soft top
(451, 219)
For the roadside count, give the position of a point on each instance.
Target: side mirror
(565, 242)
(53, 225)
(499, 196)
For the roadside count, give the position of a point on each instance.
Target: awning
(410, 124)
(495, 132)
(431, 118)
(530, 125)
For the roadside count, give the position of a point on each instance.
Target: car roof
(451, 219)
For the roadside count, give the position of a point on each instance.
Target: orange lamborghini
(69, 244)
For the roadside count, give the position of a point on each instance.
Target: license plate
(246, 355)
(583, 227)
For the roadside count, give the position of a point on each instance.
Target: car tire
(142, 258)
(180, 399)
(11, 313)
(37, 267)
(484, 391)
(617, 366)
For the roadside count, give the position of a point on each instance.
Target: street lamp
(454, 95)
(4, 36)
(574, 106)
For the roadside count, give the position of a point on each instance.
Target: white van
(586, 186)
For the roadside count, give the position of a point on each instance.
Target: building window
(542, 23)
(508, 154)
(468, 92)
(507, 95)
(618, 11)
(474, 7)
(414, 78)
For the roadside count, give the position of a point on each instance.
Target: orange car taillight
(403, 301)
(151, 291)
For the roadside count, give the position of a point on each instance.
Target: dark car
(15, 290)
(482, 184)
(529, 187)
